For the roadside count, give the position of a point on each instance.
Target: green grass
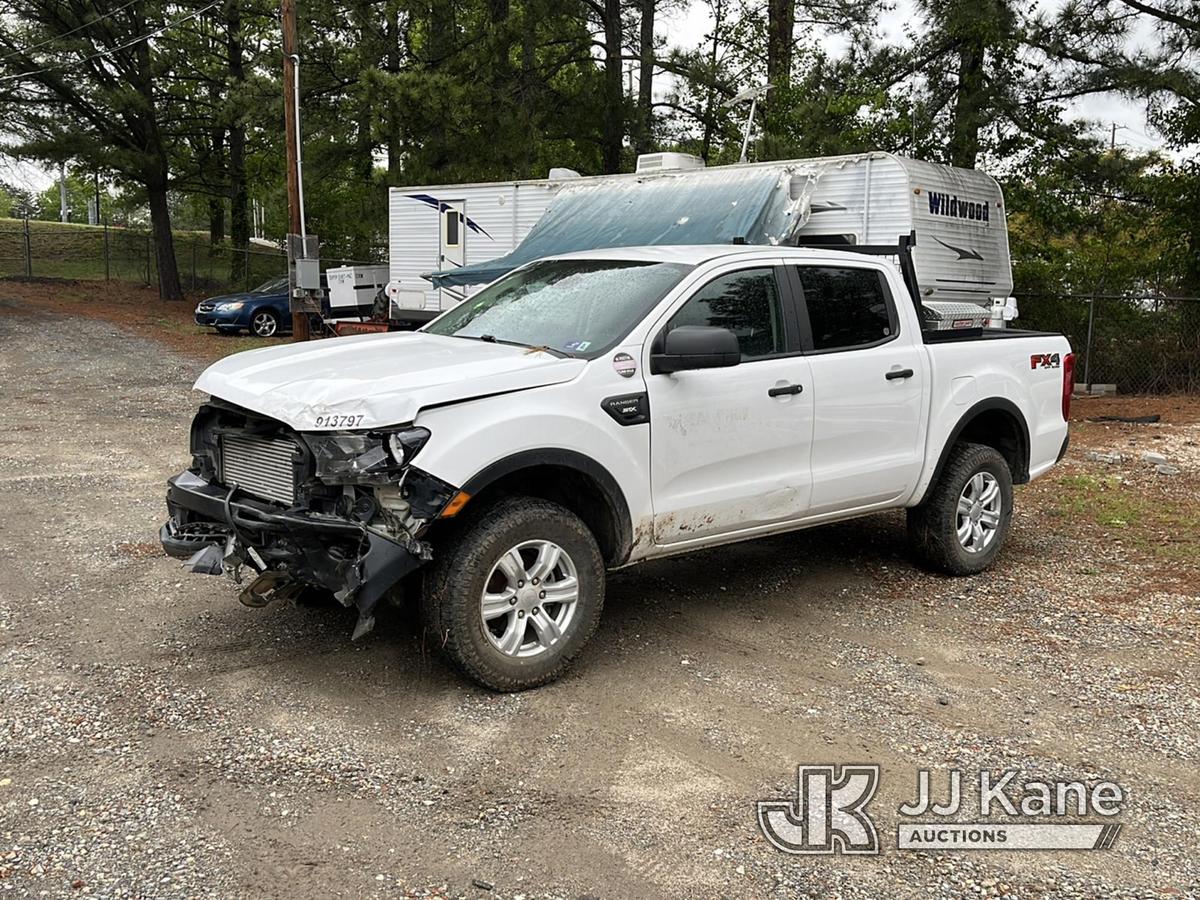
(69, 250)
(1144, 520)
(48, 226)
(1102, 500)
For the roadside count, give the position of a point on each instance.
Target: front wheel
(961, 525)
(516, 594)
(264, 323)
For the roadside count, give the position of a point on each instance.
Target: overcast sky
(687, 27)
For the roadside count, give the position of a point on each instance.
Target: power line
(66, 34)
(145, 37)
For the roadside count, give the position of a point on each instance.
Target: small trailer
(352, 291)
(448, 240)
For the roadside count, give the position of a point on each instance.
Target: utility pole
(64, 214)
(290, 119)
(1112, 139)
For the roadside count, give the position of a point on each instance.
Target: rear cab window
(847, 307)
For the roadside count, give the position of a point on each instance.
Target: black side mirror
(696, 347)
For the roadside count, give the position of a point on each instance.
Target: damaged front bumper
(219, 529)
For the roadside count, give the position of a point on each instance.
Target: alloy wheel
(529, 599)
(977, 518)
(264, 324)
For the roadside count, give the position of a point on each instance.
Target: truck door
(729, 447)
(869, 376)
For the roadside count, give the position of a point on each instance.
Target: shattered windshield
(578, 307)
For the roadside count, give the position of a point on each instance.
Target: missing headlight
(374, 458)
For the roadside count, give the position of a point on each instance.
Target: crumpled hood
(376, 380)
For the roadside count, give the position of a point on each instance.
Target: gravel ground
(159, 740)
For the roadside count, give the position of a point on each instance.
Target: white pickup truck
(591, 411)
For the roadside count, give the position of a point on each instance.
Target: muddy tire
(961, 526)
(515, 594)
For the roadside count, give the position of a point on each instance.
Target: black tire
(933, 526)
(464, 561)
(264, 323)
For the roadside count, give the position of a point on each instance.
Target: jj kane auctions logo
(829, 813)
(951, 207)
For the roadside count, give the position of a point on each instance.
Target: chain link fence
(1139, 344)
(38, 249)
(1142, 345)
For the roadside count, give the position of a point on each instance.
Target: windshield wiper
(492, 339)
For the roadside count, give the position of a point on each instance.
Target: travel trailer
(448, 240)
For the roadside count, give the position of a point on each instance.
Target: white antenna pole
(749, 124)
(299, 165)
(751, 94)
(912, 111)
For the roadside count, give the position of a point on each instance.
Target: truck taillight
(1068, 370)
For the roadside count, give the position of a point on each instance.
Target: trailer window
(581, 307)
(847, 307)
(452, 220)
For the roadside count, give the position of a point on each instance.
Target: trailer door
(453, 215)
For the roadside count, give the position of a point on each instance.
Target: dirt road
(159, 740)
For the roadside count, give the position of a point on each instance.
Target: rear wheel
(516, 594)
(961, 526)
(264, 323)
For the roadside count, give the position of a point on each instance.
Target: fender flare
(568, 459)
(1021, 476)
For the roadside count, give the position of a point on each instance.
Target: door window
(453, 217)
(847, 307)
(745, 302)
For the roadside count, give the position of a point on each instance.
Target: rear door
(729, 447)
(869, 377)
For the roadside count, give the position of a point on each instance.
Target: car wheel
(264, 323)
(961, 525)
(516, 593)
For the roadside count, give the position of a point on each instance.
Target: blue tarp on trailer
(749, 205)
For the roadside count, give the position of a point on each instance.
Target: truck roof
(702, 253)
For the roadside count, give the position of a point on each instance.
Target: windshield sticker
(625, 365)
(577, 345)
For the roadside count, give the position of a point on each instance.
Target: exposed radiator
(265, 467)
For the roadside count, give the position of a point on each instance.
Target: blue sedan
(263, 311)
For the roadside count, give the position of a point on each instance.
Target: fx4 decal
(1045, 361)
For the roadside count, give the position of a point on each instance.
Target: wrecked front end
(283, 510)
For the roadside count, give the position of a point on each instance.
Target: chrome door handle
(785, 389)
(899, 373)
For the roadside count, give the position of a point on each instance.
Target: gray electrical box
(308, 274)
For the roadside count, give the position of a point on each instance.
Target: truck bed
(956, 335)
